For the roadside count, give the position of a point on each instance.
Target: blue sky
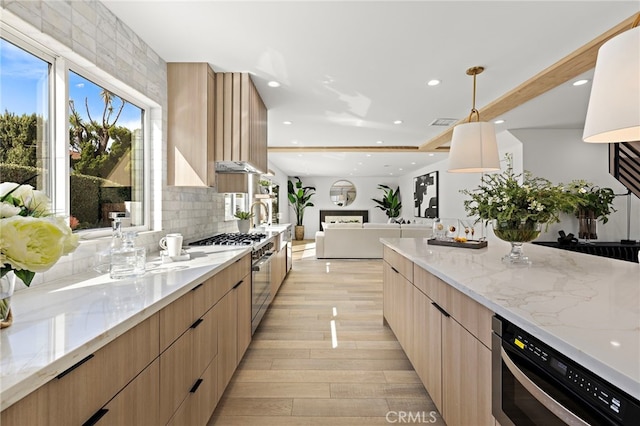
(23, 75)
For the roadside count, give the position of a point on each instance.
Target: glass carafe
(127, 261)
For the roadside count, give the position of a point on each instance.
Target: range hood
(237, 178)
(235, 167)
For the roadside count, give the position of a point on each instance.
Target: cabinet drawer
(175, 318)
(226, 279)
(399, 262)
(470, 314)
(80, 391)
(176, 375)
(198, 407)
(137, 403)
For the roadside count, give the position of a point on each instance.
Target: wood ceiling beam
(572, 65)
(286, 149)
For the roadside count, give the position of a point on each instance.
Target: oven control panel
(573, 375)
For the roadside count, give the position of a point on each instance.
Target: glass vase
(7, 286)
(516, 233)
(587, 225)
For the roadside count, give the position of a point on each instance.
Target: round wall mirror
(342, 193)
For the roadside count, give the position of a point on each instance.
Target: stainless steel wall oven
(533, 384)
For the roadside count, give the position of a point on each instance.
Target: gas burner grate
(230, 239)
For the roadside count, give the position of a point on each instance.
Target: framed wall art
(425, 195)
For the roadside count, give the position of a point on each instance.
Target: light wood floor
(296, 373)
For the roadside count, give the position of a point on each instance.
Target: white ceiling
(348, 69)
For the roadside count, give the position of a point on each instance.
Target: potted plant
(299, 198)
(243, 220)
(595, 204)
(390, 203)
(518, 205)
(264, 186)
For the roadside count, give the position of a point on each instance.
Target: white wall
(450, 184)
(557, 155)
(560, 156)
(366, 189)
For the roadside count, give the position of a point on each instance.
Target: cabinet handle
(197, 287)
(196, 385)
(73, 367)
(96, 417)
(442, 311)
(238, 285)
(197, 323)
(395, 270)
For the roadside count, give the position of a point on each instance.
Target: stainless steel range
(261, 251)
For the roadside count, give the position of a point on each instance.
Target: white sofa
(362, 241)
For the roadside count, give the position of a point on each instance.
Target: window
(106, 155)
(24, 117)
(100, 166)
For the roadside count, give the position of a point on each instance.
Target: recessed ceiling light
(413, 163)
(391, 173)
(500, 121)
(273, 84)
(431, 154)
(294, 142)
(615, 343)
(287, 122)
(433, 82)
(397, 122)
(359, 163)
(378, 142)
(299, 155)
(368, 155)
(400, 169)
(580, 82)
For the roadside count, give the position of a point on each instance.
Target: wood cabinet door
(227, 358)
(205, 341)
(244, 317)
(466, 370)
(190, 129)
(138, 403)
(176, 375)
(76, 394)
(427, 350)
(400, 307)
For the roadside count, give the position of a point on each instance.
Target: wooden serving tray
(472, 244)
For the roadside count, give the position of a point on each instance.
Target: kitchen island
(147, 322)
(586, 307)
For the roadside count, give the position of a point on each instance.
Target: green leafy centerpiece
(518, 205)
(595, 204)
(31, 239)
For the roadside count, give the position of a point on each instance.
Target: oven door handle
(543, 398)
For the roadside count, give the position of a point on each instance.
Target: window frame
(57, 184)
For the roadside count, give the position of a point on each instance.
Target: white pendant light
(474, 148)
(613, 114)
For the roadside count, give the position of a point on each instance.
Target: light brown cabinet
(278, 270)
(190, 124)
(78, 393)
(163, 371)
(446, 336)
(240, 121)
(427, 350)
(137, 403)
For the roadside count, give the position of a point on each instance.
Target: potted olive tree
(299, 198)
(390, 203)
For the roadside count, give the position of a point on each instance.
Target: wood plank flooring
(297, 371)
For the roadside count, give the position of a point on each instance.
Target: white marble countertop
(58, 324)
(587, 307)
